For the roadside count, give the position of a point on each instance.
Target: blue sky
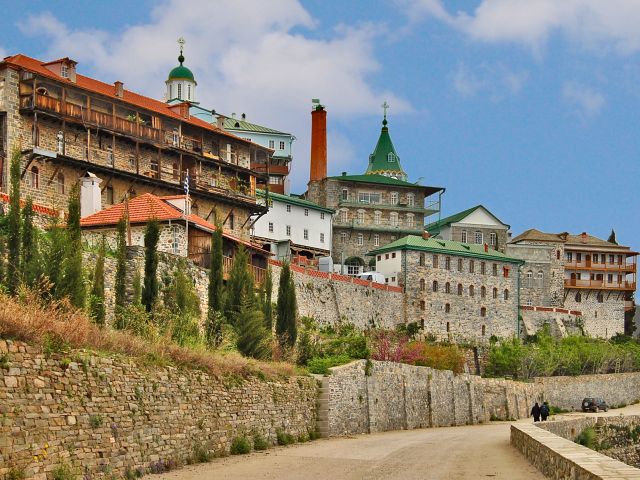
(525, 107)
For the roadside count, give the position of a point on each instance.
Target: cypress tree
(120, 282)
(30, 258)
(240, 286)
(215, 302)
(13, 224)
(252, 336)
(267, 306)
(286, 307)
(96, 300)
(2, 254)
(150, 287)
(612, 237)
(73, 278)
(55, 255)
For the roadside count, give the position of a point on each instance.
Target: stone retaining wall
(103, 414)
(561, 459)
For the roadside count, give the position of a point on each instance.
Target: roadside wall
(104, 414)
(332, 299)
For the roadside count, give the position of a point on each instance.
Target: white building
(304, 225)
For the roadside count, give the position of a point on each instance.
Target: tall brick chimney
(318, 169)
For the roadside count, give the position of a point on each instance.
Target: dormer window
(390, 157)
(64, 71)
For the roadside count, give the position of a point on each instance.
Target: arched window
(471, 290)
(35, 177)
(422, 285)
(390, 157)
(578, 297)
(463, 236)
(447, 307)
(60, 183)
(422, 305)
(188, 92)
(180, 91)
(540, 279)
(472, 266)
(377, 217)
(175, 170)
(493, 239)
(447, 287)
(459, 264)
(529, 278)
(477, 235)
(459, 289)
(447, 263)
(435, 285)
(410, 221)
(483, 312)
(411, 199)
(483, 291)
(506, 294)
(483, 268)
(495, 292)
(394, 198)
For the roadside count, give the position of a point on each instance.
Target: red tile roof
(36, 207)
(146, 207)
(108, 90)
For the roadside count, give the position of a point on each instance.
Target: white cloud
(247, 56)
(587, 101)
(592, 23)
(495, 80)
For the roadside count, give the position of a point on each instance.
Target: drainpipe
(518, 300)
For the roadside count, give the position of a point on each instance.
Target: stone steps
(322, 404)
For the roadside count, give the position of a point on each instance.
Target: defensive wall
(561, 321)
(103, 415)
(371, 396)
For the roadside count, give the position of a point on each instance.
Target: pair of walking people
(540, 411)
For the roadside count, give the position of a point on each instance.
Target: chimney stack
(90, 195)
(119, 88)
(426, 235)
(318, 170)
(486, 248)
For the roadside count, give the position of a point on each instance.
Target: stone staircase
(322, 405)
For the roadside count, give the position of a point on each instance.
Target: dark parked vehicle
(590, 404)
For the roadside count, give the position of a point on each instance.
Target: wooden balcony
(609, 267)
(599, 284)
(204, 260)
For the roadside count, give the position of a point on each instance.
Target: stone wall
(561, 321)
(334, 299)
(602, 317)
(105, 414)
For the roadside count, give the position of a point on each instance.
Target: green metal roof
(435, 245)
(384, 180)
(435, 227)
(181, 73)
(384, 159)
(244, 126)
(294, 201)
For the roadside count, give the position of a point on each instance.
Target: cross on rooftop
(385, 107)
(181, 42)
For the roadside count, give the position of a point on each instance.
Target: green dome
(180, 73)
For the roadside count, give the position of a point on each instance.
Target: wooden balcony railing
(599, 284)
(616, 267)
(204, 261)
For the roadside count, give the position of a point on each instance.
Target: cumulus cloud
(494, 80)
(586, 101)
(592, 23)
(251, 57)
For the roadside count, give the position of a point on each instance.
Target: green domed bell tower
(181, 84)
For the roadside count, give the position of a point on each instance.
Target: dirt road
(452, 453)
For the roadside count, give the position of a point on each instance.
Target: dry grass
(28, 319)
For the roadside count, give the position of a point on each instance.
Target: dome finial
(181, 42)
(385, 107)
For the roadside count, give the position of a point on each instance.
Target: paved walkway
(451, 453)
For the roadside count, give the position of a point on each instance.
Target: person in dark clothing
(535, 412)
(544, 411)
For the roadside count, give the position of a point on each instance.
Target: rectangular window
(175, 247)
(367, 197)
(345, 194)
(64, 71)
(578, 257)
(459, 264)
(272, 144)
(611, 258)
(360, 239)
(505, 272)
(109, 195)
(463, 236)
(321, 215)
(482, 268)
(288, 230)
(447, 263)
(393, 255)
(343, 237)
(610, 278)
(386, 256)
(472, 266)
(270, 227)
(435, 261)
(306, 212)
(376, 240)
(495, 270)
(322, 238)
(281, 145)
(569, 257)
(306, 234)
(288, 208)
(275, 180)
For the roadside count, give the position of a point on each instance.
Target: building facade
(454, 291)
(66, 124)
(372, 209)
(474, 225)
(305, 226)
(580, 273)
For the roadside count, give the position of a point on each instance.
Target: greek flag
(186, 183)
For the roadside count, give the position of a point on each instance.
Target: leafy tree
(267, 305)
(213, 327)
(240, 286)
(30, 264)
(150, 288)
(73, 281)
(13, 224)
(612, 237)
(253, 339)
(286, 308)
(120, 281)
(96, 299)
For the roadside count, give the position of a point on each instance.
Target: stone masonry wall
(561, 321)
(334, 299)
(104, 414)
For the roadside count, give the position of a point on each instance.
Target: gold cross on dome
(385, 107)
(181, 42)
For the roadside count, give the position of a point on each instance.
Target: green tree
(150, 287)
(120, 282)
(612, 237)
(213, 327)
(13, 224)
(2, 254)
(181, 307)
(96, 299)
(267, 304)
(253, 339)
(240, 286)
(30, 264)
(286, 328)
(55, 255)
(73, 279)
